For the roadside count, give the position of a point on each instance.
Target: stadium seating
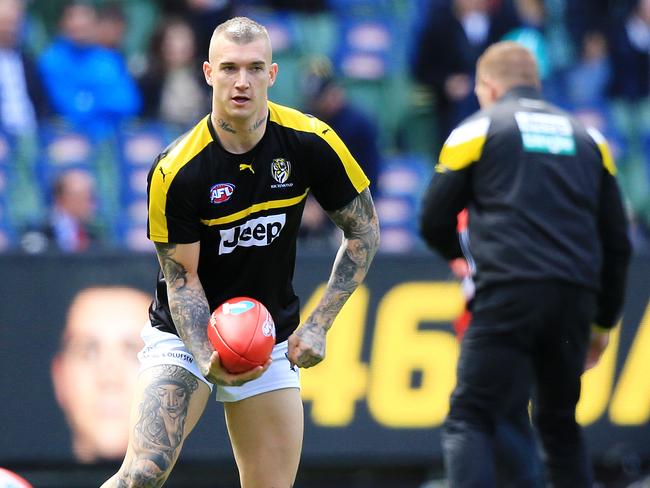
(138, 146)
(402, 181)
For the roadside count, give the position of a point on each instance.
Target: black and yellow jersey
(542, 198)
(245, 209)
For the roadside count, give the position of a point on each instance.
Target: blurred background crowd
(92, 91)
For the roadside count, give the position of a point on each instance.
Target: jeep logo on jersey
(261, 231)
(221, 192)
(280, 170)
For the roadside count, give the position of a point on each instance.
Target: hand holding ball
(242, 331)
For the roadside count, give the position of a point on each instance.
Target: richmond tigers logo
(280, 170)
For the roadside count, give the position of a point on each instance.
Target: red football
(242, 331)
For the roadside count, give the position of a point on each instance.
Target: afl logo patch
(280, 170)
(221, 192)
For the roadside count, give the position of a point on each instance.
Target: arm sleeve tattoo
(187, 303)
(360, 226)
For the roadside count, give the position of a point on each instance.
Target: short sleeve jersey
(245, 209)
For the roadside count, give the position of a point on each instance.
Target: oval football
(242, 331)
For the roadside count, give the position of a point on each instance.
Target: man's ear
(273, 74)
(207, 72)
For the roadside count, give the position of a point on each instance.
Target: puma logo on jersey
(162, 172)
(244, 166)
(325, 131)
(258, 232)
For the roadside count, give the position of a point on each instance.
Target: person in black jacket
(451, 39)
(549, 238)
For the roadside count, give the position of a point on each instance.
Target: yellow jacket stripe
(464, 145)
(603, 147)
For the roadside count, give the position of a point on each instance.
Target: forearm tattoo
(187, 303)
(160, 428)
(360, 226)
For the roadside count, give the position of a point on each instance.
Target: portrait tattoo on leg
(160, 428)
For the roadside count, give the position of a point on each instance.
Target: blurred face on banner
(95, 371)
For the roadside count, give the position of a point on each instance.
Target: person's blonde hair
(510, 64)
(240, 30)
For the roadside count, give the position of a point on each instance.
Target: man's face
(79, 24)
(240, 75)
(78, 198)
(95, 373)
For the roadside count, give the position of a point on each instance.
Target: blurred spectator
(450, 41)
(531, 14)
(111, 27)
(588, 80)
(173, 88)
(630, 54)
(22, 97)
(96, 368)
(88, 85)
(69, 227)
(326, 99)
(202, 15)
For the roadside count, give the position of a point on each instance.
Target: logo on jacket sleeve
(221, 192)
(258, 232)
(280, 170)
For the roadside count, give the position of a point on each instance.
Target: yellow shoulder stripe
(258, 207)
(293, 119)
(465, 144)
(165, 172)
(603, 147)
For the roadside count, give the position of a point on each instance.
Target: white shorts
(166, 348)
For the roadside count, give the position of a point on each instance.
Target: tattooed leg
(169, 402)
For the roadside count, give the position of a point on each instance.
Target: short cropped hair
(240, 30)
(509, 63)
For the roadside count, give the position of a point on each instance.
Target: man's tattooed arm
(187, 302)
(360, 226)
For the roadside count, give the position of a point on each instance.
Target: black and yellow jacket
(542, 197)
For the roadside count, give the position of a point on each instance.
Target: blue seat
(63, 149)
(404, 175)
(402, 180)
(365, 48)
(282, 28)
(138, 146)
(361, 8)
